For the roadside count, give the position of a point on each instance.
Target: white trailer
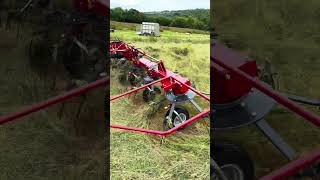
(149, 28)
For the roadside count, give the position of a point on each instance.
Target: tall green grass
(166, 37)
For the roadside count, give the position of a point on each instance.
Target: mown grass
(166, 37)
(182, 155)
(45, 145)
(286, 34)
(132, 26)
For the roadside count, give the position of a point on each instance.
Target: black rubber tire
(150, 96)
(228, 153)
(139, 72)
(179, 110)
(116, 56)
(132, 80)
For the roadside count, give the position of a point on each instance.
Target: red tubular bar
(196, 91)
(163, 133)
(157, 132)
(137, 89)
(42, 105)
(294, 166)
(308, 115)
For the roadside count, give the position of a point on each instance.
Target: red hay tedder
(147, 71)
(240, 99)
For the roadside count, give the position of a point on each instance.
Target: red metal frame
(157, 132)
(227, 86)
(280, 98)
(134, 55)
(49, 102)
(163, 133)
(137, 89)
(294, 166)
(168, 79)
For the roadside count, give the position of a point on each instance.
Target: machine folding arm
(280, 98)
(157, 132)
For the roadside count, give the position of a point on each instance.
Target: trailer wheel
(179, 116)
(134, 81)
(131, 79)
(233, 161)
(150, 95)
(136, 77)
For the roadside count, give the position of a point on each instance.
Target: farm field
(182, 155)
(46, 145)
(133, 26)
(285, 34)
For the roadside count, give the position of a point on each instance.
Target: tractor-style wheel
(233, 161)
(179, 115)
(135, 80)
(150, 95)
(132, 79)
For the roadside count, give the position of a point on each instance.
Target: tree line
(195, 19)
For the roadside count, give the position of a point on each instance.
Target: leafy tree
(117, 14)
(179, 22)
(163, 21)
(134, 16)
(195, 18)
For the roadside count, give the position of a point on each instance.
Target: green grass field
(43, 146)
(182, 155)
(132, 26)
(286, 34)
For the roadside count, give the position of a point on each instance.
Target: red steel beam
(163, 133)
(137, 89)
(293, 167)
(308, 115)
(194, 90)
(157, 132)
(44, 104)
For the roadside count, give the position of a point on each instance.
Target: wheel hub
(246, 110)
(179, 119)
(232, 171)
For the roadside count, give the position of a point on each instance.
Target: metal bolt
(228, 76)
(253, 114)
(242, 104)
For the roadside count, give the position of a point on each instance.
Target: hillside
(193, 18)
(133, 27)
(187, 12)
(201, 14)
